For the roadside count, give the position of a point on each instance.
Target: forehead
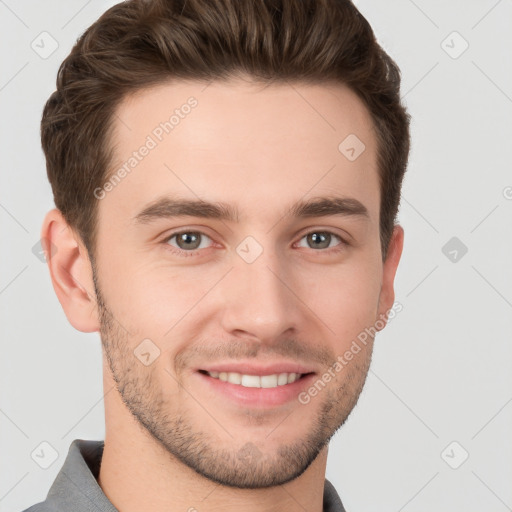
(235, 141)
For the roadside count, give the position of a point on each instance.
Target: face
(219, 323)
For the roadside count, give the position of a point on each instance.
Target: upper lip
(247, 368)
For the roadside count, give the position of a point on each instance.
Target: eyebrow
(167, 207)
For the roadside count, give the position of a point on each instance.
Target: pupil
(319, 238)
(187, 237)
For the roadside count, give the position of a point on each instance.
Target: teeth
(251, 381)
(256, 381)
(268, 381)
(234, 378)
(282, 379)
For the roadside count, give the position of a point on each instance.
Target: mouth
(256, 381)
(251, 387)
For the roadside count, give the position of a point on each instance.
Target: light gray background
(441, 369)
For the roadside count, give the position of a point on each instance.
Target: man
(269, 137)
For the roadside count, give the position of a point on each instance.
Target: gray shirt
(75, 488)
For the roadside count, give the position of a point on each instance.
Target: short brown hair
(136, 44)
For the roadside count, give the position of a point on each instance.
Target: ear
(387, 293)
(70, 271)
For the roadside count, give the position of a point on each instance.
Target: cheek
(150, 298)
(344, 297)
(157, 301)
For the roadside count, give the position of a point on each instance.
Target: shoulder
(43, 506)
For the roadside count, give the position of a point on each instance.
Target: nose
(259, 299)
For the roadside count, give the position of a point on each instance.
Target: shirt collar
(76, 487)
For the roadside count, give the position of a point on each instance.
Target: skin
(260, 149)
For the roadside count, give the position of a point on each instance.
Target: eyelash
(195, 252)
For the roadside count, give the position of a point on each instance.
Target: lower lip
(258, 397)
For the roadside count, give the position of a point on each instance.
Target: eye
(187, 241)
(323, 239)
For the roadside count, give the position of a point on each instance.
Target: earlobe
(70, 272)
(387, 294)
